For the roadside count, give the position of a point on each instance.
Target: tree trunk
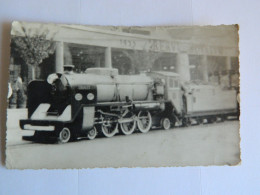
(33, 72)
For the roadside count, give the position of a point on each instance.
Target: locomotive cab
(170, 88)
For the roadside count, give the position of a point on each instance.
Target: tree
(142, 60)
(33, 47)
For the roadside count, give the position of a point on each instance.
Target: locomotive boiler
(102, 102)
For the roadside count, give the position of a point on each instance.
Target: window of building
(171, 85)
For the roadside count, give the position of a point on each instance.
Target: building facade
(203, 54)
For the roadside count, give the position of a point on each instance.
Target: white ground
(214, 144)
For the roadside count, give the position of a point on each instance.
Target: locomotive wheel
(144, 122)
(92, 133)
(129, 127)
(109, 129)
(64, 135)
(165, 123)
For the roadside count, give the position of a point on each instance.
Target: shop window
(176, 84)
(171, 83)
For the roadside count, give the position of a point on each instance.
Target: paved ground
(214, 144)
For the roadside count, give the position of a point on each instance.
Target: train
(100, 102)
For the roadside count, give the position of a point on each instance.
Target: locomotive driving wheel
(64, 135)
(144, 121)
(127, 128)
(92, 133)
(109, 127)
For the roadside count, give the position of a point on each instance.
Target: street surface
(208, 144)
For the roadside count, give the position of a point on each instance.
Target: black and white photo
(118, 96)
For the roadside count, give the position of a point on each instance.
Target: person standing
(20, 92)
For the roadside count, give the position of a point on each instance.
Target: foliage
(33, 49)
(142, 60)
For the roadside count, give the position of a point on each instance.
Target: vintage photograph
(109, 96)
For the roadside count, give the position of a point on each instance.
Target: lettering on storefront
(176, 47)
(128, 43)
(161, 46)
(149, 45)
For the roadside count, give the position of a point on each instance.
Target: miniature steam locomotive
(101, 102)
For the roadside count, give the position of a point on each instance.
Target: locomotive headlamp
(90, 96)
(78, 96)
